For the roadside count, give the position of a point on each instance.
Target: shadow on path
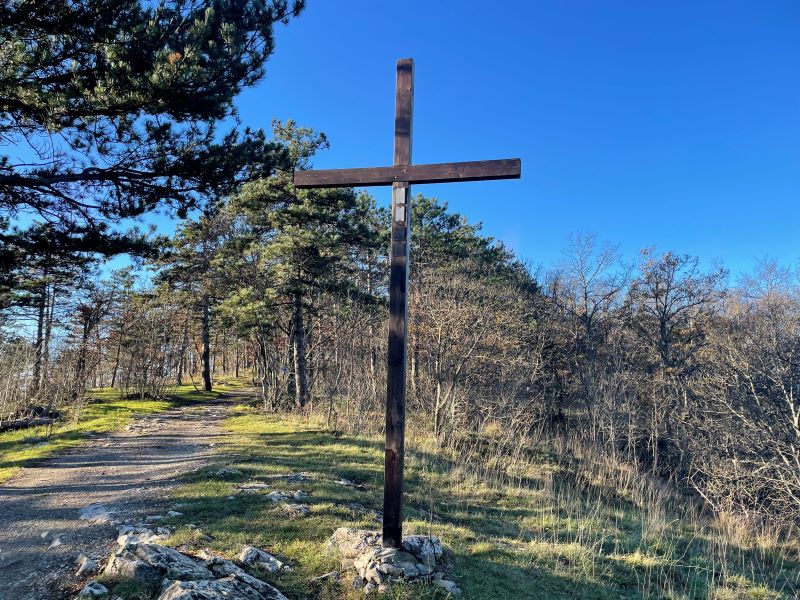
(129, 471)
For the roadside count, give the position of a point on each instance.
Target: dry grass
(567, 523)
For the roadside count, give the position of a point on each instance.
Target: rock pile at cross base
(179, 576)
(377, 567)
(184, 577)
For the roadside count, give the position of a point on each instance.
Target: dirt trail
(129, 472)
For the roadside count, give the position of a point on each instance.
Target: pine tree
(304, 237)
(114, 109)
(191, 274)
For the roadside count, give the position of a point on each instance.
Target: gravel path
(129, 471)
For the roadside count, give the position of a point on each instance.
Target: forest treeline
(661, 363)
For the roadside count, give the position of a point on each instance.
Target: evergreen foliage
(117, 106)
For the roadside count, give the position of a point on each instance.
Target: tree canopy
(110, 109)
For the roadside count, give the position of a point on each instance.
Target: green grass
(105, 411)
(555, 537)
(576, 528)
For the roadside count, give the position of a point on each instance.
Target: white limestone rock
(294, 477)
(93, 589)
(96, 513)
(221, 567)
(281, 495)
(86, 565)
(152, 562)
(353, 542)
(448, 586)
(427, 549)
(296, 511)
(240, 586)
(255, 557)
(332, 575)
(226, 472)
(132, 534)
(347, 483)
(254, 486)
(57, 541)
(377, 567)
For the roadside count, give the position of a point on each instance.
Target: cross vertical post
(398, 315)
(400, 176)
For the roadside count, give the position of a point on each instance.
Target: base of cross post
(392, 537)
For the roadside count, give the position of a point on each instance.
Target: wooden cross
(400, 176)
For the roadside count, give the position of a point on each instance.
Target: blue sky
(674, 124)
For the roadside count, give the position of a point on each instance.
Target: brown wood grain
(403, 111)
(479, 170)
(398, 315)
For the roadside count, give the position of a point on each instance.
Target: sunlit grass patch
(106, 409)
(738, 587)
(108, 412)
(638, 559)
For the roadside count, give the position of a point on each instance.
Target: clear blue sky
(675, 124)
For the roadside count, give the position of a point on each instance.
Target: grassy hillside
(576, 527)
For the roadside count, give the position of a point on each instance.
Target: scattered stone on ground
(139, 534)
(254, 486)
(377, 567)
(334, 575)
(57, 541)
(276, 495)
(202, 577)
(147, 562)
(281, 495)
(226, 472)
(96, 513)
(428, 549)
(240, 586)
(293, 477)
(93, 589)
(447, 585)
(255, 557)
(352, 542)
(352, 484)
(86, 566)
(296, 511)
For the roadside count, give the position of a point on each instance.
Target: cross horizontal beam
(479, 170)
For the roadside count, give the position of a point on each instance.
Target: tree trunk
(48, 331)
(206, 346)
(39, 349)
(225, 354)
(182, 356)
(116, 359)
(236, 363)
(299, 345)
(80, 366)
